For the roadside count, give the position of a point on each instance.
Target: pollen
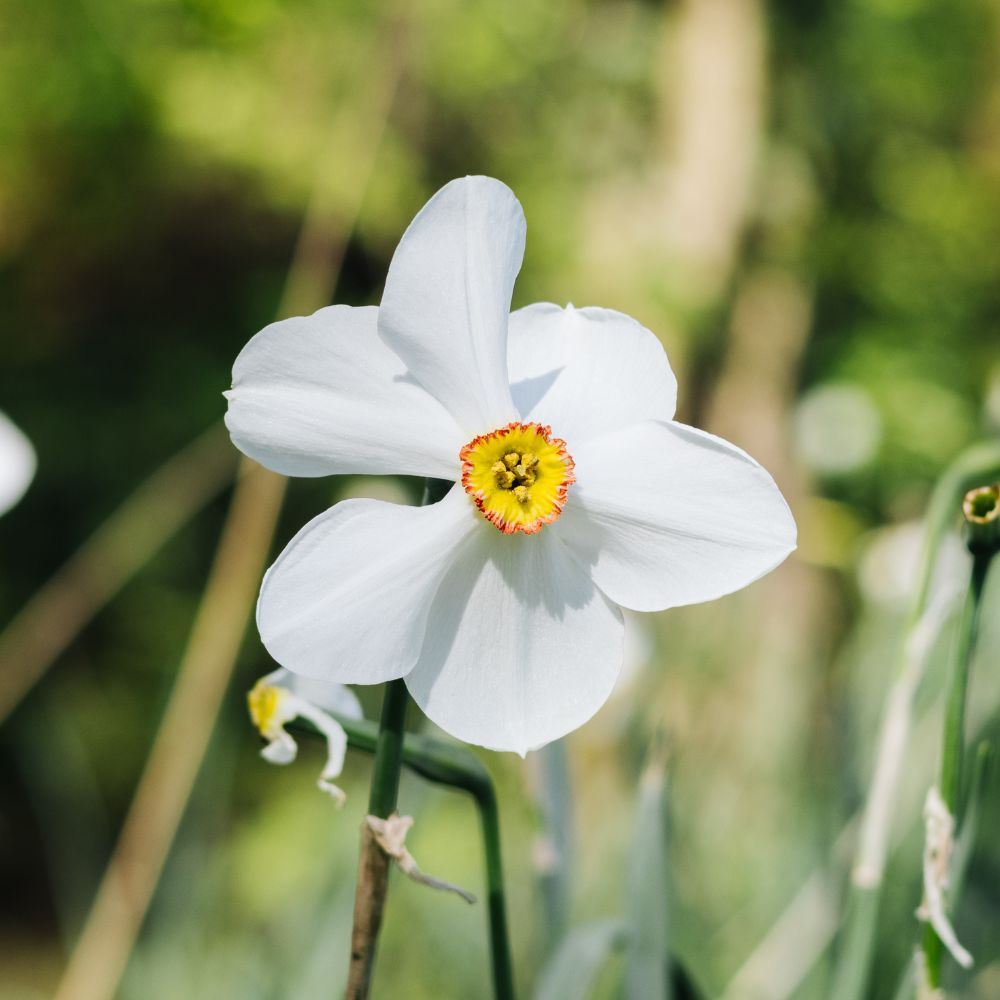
(518, 476)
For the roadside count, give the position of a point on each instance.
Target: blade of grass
(126, 889)
(647, 904)
(102, 949)
(573, 969)
(953, 748)
(979, 464)
(57, 613)
(555, 847)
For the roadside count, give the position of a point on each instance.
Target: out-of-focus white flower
(500, 604)
(17, 464)
(837, 428)
(280, 697)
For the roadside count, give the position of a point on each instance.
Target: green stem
(455, 767)
(389, 744)
(388, 750)
(977, 465)
(953, 743)
(952, 749)
(500, 961)
(444, 764)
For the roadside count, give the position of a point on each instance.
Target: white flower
(280, 697)
(507, 638)
(17, 464)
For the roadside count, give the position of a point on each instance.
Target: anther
(521, 492)
(511, 459)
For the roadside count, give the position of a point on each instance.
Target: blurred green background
(801, 198)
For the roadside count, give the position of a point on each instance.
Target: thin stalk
(977, 465)
(62, 607)
(953, 740)
(953, 744)
(373, 862)
(481, 787)
(389, 750)
(100, 956)
(454, 767)
(112, 925)
(500, 962)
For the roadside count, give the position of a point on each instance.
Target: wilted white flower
(576, 493)
(17, 464)
(280, 697)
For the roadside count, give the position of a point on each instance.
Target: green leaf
(647, 965)
(556, 805)
(571, 972)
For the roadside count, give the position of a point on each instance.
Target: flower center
(269, 708)
(518, 476)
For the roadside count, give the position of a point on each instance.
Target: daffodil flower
(280, 697)
(17, 464)
(576, 493)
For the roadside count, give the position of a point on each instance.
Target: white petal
(322, 394)
(331, 697)
(669, 515)
(587, 371)
(521, 647)
(347, 600)
(281, 750)
(17, 464)
(336, 747)
(447, 296)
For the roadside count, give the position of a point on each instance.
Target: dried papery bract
(939, 845)
(390, 835)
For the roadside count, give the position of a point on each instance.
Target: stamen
(505, 478)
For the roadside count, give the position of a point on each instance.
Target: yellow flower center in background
(267, 708)
(518, 476)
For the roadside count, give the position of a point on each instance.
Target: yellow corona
(518, 476)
